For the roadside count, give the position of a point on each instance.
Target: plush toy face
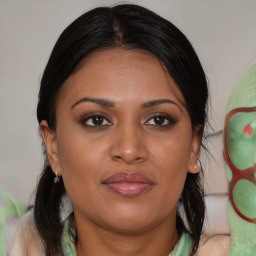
(240, 153)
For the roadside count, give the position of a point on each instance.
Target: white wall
(222, 32)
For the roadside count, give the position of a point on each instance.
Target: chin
(129, 220)
(131, 226)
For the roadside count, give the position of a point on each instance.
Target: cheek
(171, 159)
(172, 152)
(81, 160)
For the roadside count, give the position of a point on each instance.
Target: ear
(49, 137)
(194, 166)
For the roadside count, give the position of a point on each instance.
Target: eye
(96, 121)
(161, 120)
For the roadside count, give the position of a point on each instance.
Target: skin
(130, 139)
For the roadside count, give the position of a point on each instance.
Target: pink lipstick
(128, 184)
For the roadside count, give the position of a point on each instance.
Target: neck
(157, 241)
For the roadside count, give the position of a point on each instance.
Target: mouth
(128, 184)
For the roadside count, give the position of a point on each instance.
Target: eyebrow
(153, 103)
(95, 100)
(109, 103)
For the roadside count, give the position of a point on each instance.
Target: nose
(129, 145)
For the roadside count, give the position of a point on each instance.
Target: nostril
(128, 158)
(125, 148)
(117, 157)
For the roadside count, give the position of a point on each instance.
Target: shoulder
(26, 241)
(18, 235)
(214, 245)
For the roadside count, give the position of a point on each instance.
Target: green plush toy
(240, 154)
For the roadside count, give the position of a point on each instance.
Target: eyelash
(96, 115)
(166, 118)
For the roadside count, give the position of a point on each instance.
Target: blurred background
(222, 33)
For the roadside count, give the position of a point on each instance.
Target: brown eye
(161, 120)
(96, 120)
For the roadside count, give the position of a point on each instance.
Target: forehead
(125, 75)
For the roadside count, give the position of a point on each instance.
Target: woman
(122, 110)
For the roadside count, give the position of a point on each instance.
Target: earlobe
(196, 167)
(49, 138)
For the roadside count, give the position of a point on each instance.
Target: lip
(128, 184)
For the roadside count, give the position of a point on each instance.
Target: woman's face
(123, 142)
